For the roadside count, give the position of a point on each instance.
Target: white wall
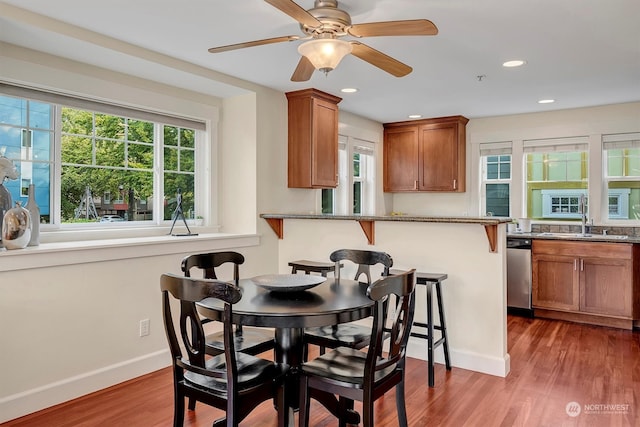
(238, 164)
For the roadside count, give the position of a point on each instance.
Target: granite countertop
(488, 220)
(609, 238)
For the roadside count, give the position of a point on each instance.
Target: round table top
(331, 302)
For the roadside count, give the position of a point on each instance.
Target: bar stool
(429, 280)
(312, 266)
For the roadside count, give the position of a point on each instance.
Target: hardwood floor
(553, 363)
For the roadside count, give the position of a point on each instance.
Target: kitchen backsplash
(596, 229)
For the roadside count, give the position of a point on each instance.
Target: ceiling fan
(324, 25)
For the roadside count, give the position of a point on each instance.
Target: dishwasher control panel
(518, 243)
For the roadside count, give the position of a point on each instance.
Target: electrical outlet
(144, 327)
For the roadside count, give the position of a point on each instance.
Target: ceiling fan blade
(296, 12)
(253, 43)
(303, 71)
(380, 60)
(415, 27)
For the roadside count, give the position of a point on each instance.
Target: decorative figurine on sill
(178, 213)
(7, 171)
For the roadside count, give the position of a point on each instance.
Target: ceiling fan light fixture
(325, 54)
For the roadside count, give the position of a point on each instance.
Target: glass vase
(16, 228)
(34, 211)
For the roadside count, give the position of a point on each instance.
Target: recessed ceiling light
(514, 63)
(349, 90)
(546, 101)
(415, 116)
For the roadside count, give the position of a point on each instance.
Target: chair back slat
(208, 262)
(394, 307)
(364, 259)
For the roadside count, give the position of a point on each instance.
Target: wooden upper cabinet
(425, 155)
(313, 139)
(401, 148)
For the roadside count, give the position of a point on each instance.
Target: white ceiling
(578, 52)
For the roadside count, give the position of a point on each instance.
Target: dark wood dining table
(289, 313)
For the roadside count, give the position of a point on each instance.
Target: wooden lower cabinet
(555, 283)
(590, 282)
(606, 286)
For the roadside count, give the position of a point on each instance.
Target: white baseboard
(497, 366)
(29, 401)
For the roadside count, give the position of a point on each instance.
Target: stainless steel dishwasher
(519, 276)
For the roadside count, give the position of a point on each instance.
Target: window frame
(343, 194)
(547, 202)
(488, 150)
(598, 183)
(57, 101)
(548, 147)
(614, 142)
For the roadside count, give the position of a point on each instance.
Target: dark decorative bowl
(288, 282)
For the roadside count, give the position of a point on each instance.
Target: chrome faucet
(583, 212)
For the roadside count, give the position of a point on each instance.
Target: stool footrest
(438, 342)
(435, 344)
(426, 325)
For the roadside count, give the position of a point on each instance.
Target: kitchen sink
(585, 236)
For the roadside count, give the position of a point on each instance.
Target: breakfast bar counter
(470, 250)
(367, 222)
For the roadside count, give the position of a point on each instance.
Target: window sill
(88, 251)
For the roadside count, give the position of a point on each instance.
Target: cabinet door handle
(581, 265)
(415, 185)
(575, 264)
(455, 182)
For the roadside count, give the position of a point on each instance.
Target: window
(556, 173)
(496, 178)
(334, 200)
(24, 187)
(357, 183)
(562, 203)
(622, 175)
(359, 176)
(363, 177)
(26, 138)
(112, 160)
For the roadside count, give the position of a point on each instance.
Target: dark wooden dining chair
(355, 375)
(350, 334)
(247, 340)
(232, 381)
